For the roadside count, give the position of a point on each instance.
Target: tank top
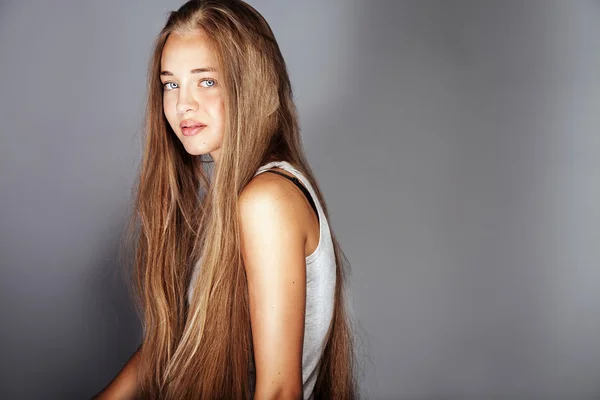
(320, 287)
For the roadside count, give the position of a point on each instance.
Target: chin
(195, 150)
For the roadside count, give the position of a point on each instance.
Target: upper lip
(186, 123)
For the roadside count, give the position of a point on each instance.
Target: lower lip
(192, 130)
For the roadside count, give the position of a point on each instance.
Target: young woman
(240, 279)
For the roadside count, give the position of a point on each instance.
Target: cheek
(169, 110)
(219, 112)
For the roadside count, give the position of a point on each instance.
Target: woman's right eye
(165, 86)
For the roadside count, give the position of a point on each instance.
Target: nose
(186, 102)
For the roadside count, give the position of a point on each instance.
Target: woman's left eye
(211, 81)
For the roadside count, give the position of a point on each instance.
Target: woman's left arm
(273, 239)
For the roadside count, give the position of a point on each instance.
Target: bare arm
(124, 385)
(273, 250)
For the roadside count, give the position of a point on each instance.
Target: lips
(191, 131)
(190, 127)
(191, 123)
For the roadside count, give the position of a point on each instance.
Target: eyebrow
(194, 71)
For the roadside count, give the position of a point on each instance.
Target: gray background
(457, 144)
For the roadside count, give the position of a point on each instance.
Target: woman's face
(192, 93)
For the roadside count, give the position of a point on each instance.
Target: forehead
(185, 52)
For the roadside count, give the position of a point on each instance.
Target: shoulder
(271, 198)
(273, 223)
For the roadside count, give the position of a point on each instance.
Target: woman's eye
(165, 86)
(211, 81)
(204, 83)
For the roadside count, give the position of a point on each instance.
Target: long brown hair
(185, 209)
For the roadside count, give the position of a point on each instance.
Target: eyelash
(201, 80)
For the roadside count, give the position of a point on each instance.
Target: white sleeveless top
(320, 289)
